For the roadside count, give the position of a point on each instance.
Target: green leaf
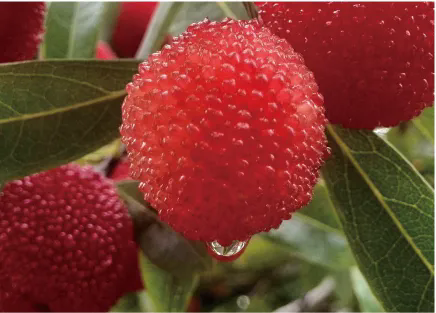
(386, 210)
(251, 9)
(109, 21)
(425, 123)
(367, 301)
(54, 112)
(161, 245)
(262, 253)
(414, 139)
(320, 211)
(127, 303)
(165, 291)
(345, 297)
(172, 18)
(72, 29)
(158, 28)
(313, 244)
(313, 233)
(193, 12)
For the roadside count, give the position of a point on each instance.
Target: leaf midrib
(72, 32)
(379, 197)
(74, 106)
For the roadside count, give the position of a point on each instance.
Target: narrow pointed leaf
(386, 210)
(192, 12)
(72, 29)
(54, 112)
(156, 32)
(165, 291)
(367, 301)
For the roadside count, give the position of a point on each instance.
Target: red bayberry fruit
(225, 130)
(121, 171)
(21, 29)
(66, 242)
(131, 25)
(373, 61)
(104, 51)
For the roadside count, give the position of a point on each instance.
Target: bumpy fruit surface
(131, 25)
(373, 61)
(21, 29)
(225, 130)
(66, 243)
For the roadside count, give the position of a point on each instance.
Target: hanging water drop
(227, 251)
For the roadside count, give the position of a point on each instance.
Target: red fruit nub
(373, 61)
(21, 29)
(66, 243)
(225, 130)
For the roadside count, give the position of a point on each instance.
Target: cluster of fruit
(224, 128)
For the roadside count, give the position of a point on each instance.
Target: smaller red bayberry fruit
(104, 51)
(21, 29)
(66, 242)
(121, 171)
(373, 61)
(130, 27)
(225, 130)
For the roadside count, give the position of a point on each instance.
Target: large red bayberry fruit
(66, 243)
(225, 130)
(21, 29)
(130, 27)
(373, 61)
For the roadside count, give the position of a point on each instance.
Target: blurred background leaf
(72, 30)
(110, 15)
(162, 19)
(165, 291)
(367, 301)
(387, 214)
(415, 140)
(313, 234)
(192, 12)
(127, 303)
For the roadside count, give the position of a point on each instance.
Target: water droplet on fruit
(227, 251)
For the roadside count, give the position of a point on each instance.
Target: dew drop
(227, 251)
